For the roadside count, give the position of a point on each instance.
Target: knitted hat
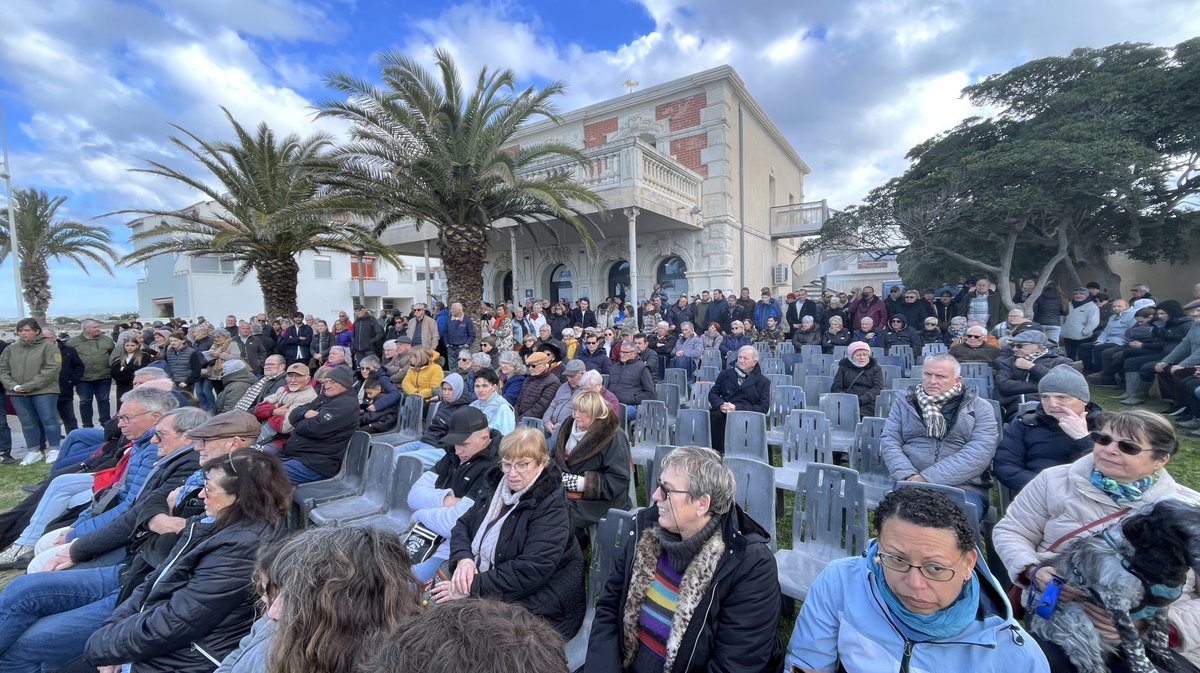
(857, 346)
(1066, 380)
(231, 366)
(341, 375)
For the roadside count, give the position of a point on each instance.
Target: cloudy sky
(90, 86)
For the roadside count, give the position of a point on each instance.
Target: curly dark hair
(927, 508)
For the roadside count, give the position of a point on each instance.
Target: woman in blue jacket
(917, 601)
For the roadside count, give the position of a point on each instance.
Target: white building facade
(181, 285)
(694, 176)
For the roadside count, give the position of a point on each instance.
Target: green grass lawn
(12, 477)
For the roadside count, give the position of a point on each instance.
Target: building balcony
(627, 173)
(371, 287)
(798, 219)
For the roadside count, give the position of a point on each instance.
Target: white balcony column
(428, 290)
(632, 214)
(512, 251)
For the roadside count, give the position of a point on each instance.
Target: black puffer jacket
(536, 395)
(865, 382)
(734, 622)
(191, 612)
(538, 562)
(320, 442)
(1033, 442)
(602, 457)
(1012, 382)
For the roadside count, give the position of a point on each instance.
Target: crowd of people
(161, 537)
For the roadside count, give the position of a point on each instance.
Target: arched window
(618, 280)
(672, 277)
(506, 289)
(560, 284)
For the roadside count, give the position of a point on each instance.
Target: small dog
(1135, 569)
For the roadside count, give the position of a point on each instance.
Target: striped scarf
(931, 410)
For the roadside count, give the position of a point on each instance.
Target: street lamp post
(14, 248)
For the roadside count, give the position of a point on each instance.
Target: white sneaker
(51, 456)
(32, 457)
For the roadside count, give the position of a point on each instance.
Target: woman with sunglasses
(518, 545)
(920, 599)
(1124, 472)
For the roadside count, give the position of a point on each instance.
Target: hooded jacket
(902, 336)
(733, 620)
(236, 385)
(1033, 441)
(32, 364)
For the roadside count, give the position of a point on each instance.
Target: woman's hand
(1103, 622)
(1043, 577)
(464, 575)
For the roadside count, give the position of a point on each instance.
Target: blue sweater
(141, 462)
(459, 332)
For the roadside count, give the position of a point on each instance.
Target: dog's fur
(1161, 543)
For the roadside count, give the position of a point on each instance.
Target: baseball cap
(298, 368)
(464, 422)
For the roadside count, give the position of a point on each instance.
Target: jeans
(100, 390)
(428, 454)
(39, 419)
(299, 474)
(5, 431)
(204, 393)
(425, 570)
(1052, 332)
(78, 445)
(46, 618)
(64, 492)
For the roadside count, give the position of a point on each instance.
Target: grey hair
(343, 350)
(276, 357)
(945, 357)
(370, 361)
(88, 320)
(151, 373)
(1142, 286)
(686, 324)
(220, 332)
(751, 349)
(591, 378)
(663, 323)
(390, 343)
(152, 400)
(256, 328)
(513, 358)
(184, 419)
(1019, 310)
(707, 475)
(481, 360)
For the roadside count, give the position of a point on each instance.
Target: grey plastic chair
(831, 368)
(999, 416)
(803, 370)
(711, 353)
(711, 361)
(930, 349)
(829, 521)
(730, 358)
(894, 361)
(698, 395)
(805, 441)
(839, 352)
(531, 422)
(866, 456)
(904, 383)
(692, 428)
(785, 348)
(771, 365)
(604, 380)
(347, 482)
(612, 532)
(888, 398)
(650, 428)
(755, 500)
(707, 373)
(978, 370)
(891, 373)
(842, 411)
(408, 421)
(373, 499)
(779, 380)
(677, 376)
(764, 350)
(905, 352)
(746, 435)
(784, 399)
(877, 352)
(670, 393)
(980, 386)
(432, 412)
(810, 351)
(398, 515)
(814, 388)
(653, 469)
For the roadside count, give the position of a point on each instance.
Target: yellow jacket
(427, 381)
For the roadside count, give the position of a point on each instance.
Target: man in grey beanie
(1056, 432)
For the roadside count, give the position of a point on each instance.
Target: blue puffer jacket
(141, 462)
(844, 625)
(1033, 442)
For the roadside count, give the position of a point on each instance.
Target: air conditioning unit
(781, 274)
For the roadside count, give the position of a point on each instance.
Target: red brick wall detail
(686, 151)
(596, 134)
(683, 113)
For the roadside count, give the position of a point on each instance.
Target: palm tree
(271, 206)
(422, 150)
(41, 237)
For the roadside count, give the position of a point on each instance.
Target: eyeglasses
(1124, 445)
(935, 572)
(464, 359)
(668, 492)
(125, 418)
(519, 466)
(973, 336)
(591, 343)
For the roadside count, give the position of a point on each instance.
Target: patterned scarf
(931, 410)
(1123, 493)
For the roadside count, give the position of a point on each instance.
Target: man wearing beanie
(1057, 432)
(321, 430)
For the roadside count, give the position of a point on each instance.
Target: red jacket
(875, 310)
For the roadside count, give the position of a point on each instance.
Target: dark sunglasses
(1124, 445)
(973, 336)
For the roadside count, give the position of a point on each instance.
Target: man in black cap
(456, 482)
(321, 430)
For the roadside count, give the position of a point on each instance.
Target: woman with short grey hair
(694, 543)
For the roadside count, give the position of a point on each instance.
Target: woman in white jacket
(1125, 471)
(1081, 322)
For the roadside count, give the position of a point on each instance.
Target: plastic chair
(904, 351)
(531, 422)
(374, 497)
(746, 435)
(707, 373)
(347, 481)
(692, 428)
(408, 421)
(755, 500)
(803, 370)
(904, 383)
(698, 395)
(398, 515)
(650, 428)
(999, 416)
(432, 412)
(888, 398)
(785, 348)
(958, 495)
(730, 358)
(604, 380)
(779, 380)
(771, 365)
(978, 370)
(669, 393)
(714, 362)
(814, 388)
(842, 411)
(676, 375)
(784, 399)
(866, 456)
(764, 350)
(893, 361)
(711, 353)
(980, 386)
(930, 349)
(877, 352)
(890, 373)
(830, 369)
(1027, 406)
(653, 469)
(829, 521)
(612, 532)
(805, 441)
(810, 351)
(839, 352)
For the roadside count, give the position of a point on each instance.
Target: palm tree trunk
(36, 280)
(278, 278)
(464, 251)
